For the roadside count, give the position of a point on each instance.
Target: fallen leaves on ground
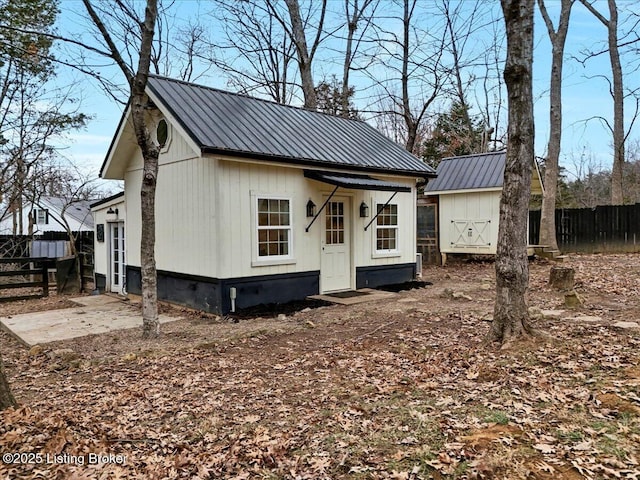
(390, 390)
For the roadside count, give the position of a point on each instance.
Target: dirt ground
(402, 389)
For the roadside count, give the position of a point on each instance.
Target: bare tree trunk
(150, 322)
(6, 397)
(617, 197)
(352, 24)
(304, 59)
(511, 317)
(457, 39)
(413, 120)
(150, 152)
(353, 20)
(558, 38)
(412, 125)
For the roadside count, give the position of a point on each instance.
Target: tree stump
(562, 278)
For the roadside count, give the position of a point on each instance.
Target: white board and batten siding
(100, 217)
(469, 222)
(240, 183)
(206, 225)
(185, 213)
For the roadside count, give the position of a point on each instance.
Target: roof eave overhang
(305, 162)
(463, 190)
(117, 196)
(115, 141)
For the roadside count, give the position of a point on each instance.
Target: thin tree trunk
(6, 397)
(150, 152)
(304, 59)
(511, 317)
(352, 24)
(412, 127)
(457, 70)
(617, 197)
(558, 38)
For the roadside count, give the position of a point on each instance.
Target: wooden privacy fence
(14, 273)
(605, 228)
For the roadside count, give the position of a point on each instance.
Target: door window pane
(335, 223)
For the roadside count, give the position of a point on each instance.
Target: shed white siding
(469, 222)
(205, 218)
(184, 212)
(101, 248)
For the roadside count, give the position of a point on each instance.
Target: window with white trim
(387, 229)
(41, 216)
(274, 228)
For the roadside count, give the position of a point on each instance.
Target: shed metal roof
(227, 123)
(477, 171)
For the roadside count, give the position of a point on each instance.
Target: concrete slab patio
(94, 315)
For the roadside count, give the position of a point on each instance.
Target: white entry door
(335, 264)
(117, 255)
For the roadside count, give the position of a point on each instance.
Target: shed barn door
(476, 233)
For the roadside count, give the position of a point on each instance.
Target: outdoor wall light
(311, 208)
(112, 215)
(364, 210)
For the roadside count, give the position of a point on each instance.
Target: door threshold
(352, 297)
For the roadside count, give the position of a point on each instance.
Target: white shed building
(468, 190)
(109, 215)
(271, 202)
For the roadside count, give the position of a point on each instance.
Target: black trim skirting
(375, 276)
(213, 295)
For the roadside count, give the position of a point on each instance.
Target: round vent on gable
(162, 132)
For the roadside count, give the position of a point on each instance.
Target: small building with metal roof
(259, 202)
(109, 215)
(468, 190)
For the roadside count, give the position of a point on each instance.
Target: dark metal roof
(227, 123)
(105, 200)
(480, 170)
(356, 182)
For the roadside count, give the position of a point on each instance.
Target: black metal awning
(356, 182)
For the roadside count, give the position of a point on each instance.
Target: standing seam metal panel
(226, 121)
